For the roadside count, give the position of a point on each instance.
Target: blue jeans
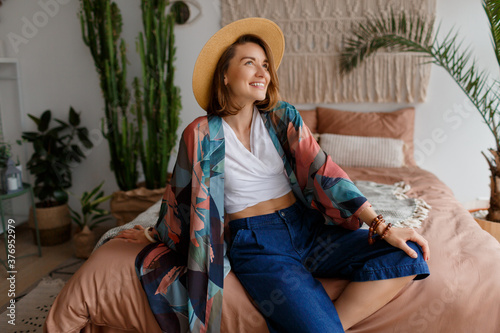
(277, 257)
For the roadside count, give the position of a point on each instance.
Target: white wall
(58, 71)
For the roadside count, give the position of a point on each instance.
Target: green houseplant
(159, 102)
(143, 130)
(5, 154)
(101, 25)
(55, 152)
(91, 215)
(408, 32)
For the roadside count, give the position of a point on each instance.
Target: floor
(30, 270)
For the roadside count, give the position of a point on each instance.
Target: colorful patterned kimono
(183, 274)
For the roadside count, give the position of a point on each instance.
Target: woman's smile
(247, 76)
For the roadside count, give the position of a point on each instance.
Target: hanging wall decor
(185, 11)
(314, 32)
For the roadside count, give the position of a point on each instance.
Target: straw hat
(212, 51)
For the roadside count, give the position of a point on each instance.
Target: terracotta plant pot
(54, 224)
(126, 205)
(84, 242)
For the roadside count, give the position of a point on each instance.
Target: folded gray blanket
(146, 219)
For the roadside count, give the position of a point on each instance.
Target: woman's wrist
(367, 215)
(381, 228)
(378, 229)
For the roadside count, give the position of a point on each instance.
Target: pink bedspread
(462, 294)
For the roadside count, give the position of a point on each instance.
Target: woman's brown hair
(220, 101)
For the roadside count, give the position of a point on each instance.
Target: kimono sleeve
(324, 184)
(176, 201)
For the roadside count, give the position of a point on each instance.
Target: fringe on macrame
(421, 211)
(383, 78)
(314, 32)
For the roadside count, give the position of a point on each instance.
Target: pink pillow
(396, 124)
(310, 119)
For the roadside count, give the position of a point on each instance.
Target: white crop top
(252, 177)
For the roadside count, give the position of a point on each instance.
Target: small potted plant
(6, 163)
(91, 215)
(4, 158)
(55, 151)
(4, 154)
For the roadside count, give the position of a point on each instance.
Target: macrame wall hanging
(313, 35)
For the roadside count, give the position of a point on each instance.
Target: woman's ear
(225, 80)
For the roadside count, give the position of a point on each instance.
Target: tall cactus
(101, 24)
(157, 100)
(160, 103)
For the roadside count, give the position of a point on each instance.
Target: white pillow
(363, 151)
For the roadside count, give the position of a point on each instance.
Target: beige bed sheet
(462, 294)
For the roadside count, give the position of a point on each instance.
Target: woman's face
(247, 76)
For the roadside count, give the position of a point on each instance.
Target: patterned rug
(30, 311)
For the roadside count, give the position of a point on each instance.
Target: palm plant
(412, 33)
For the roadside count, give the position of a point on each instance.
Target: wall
(58, 71)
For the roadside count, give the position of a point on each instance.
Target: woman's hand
(398, 237)
(135, 235)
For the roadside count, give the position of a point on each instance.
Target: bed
(462, 294)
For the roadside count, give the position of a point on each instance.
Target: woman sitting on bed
(293, 214)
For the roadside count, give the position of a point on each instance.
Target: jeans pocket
(236, 240)
(236, 237)
(245, 243)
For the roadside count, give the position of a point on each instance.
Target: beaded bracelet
(376, 224)
(373, 227)
(148, 236)
(389, 226)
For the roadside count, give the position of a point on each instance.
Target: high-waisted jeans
(277, 257)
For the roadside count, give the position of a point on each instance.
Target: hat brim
(209, 56)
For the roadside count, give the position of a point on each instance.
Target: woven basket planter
(127, 205)
(84, 242)
(54, 224)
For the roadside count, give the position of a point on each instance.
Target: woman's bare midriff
(265, 207)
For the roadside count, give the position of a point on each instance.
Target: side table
(7, 263)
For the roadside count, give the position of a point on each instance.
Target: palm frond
(492, 10)
(412, 33)
(475, 83)
(397, 32)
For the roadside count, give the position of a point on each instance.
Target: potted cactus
(143, 131)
